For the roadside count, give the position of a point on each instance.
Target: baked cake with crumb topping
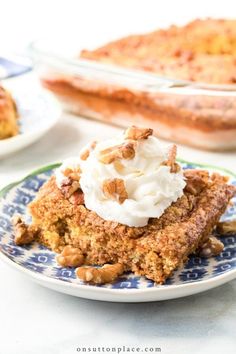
(126, 205)
(202, 52)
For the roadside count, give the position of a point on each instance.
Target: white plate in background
(38, 112)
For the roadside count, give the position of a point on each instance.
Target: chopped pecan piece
(74, 175)
(77, 198)
(24, 234)
(70, 187)
(119, 167)
(115, 189)
(212, 247)
(70, 257)
(226, 227)
(194, 184)
(71, 182)
(136, 133)
(86, 152)
(123, 151)
(174, 167)
(105, 274)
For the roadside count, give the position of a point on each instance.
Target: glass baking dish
(194, 114)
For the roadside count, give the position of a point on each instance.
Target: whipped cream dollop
(150, 186)
(72, 163)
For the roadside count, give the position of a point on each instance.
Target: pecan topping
(115, 189)
(196, 182)
(226, 227)
(123, 151)
(86, 152)
(70, 187)
(24, 234)
(77, 198)
(105, 274)
(71, 183)
(212, 247)
(174, 167)
(70, 257)
(119, 167)
(73, 174)
(194, 185)
(136, 133)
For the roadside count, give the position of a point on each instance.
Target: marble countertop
(37, 320)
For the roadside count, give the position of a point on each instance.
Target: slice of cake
(8, 115)
(126, 204)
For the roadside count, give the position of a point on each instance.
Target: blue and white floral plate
(39, 263)
(38, 112)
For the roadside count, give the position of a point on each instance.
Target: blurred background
(88, 24)
(26, 20)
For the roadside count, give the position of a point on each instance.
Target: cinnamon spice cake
(64, 220)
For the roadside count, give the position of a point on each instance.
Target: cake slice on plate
(126, 204)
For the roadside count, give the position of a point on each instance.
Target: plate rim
(42, 279)
(32, 136)
(230, 275)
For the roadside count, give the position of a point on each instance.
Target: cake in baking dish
(203, 51)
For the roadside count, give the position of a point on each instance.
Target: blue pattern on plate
(36, 110)
(40, 260)
(11, 209)
(13, 251)
(194, 262)
(63, 273)
(224, 267)
(33, 183)
(5, 223)
(193, 274)
(22, 198)
(31, 266)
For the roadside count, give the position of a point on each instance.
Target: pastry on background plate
(8, 115)
(125, 204)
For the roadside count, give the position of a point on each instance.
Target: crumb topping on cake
(203, 50)
(154, 250)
